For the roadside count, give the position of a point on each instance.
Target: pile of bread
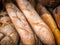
(30, 22)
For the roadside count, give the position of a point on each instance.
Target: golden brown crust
(48, 19)
(40, 28)
(20, 24)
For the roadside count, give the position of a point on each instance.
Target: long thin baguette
(48, 19)
(20, 24)
(40, 28)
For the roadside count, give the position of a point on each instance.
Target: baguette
(21, 25)
(40, 28)
(48, 19)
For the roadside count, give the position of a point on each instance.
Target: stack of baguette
(30, 22)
